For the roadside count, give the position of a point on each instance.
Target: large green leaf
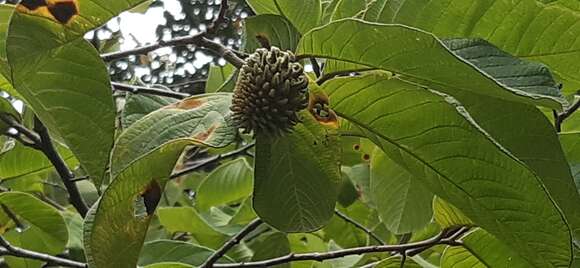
(62, 77)
(270, 246)
(480, 249)
(277, 29)
(348, 9)
(304, 14)
(527, 29)
(510, 71)
(187, 219)
(571, 145)
(290, 173)
(175, 251)
(139, 105)
(446, 215)
(22, 161)
(143, 159)
(204, 118)
(5, 15)
(415, 54)
(403, 203)
(218, 77)
(45, 229)
(515, 126)
(229, 182)
(6, 109)
(433, 137)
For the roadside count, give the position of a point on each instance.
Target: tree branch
(147, 90)
(327, 76)
(47, 147)
(559, 118)
(220, 19)
(41, 141)
(210, 160)
(200, 40)
(359, 226)
(442, 238)
(315, 66)
(9, 250)
(236, 239)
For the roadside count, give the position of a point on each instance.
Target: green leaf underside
(526, 29)
(175, 251)
(515, 126)
(22, 161)
(527, 76)
(277, 29)
(446, 215)
(187, 219)
(45, 230)
(271, 246)
(218, 77)
(203, 118)
(481, 249)
(571, 144)
(5, 15)
(403, 204)
(304, 14)
(297, 177)
(140, 105)
(416, 54)
(143, 158)
(113, 234)
(6, 109)
(61, 76)
(433, 137)
(229, 182)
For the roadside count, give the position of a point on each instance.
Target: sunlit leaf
(415, 54)
(403, 203)
(304, 14)
(230, 182)
(290, 172)
(44, 227)
(432, 136)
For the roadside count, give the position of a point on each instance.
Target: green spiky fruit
(270, 91)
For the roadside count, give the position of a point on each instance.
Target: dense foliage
(339, 133)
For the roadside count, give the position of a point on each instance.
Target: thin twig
(315, 67)
(440, 239)
(80, 178)
(210, 160)
(13, 217)
(9, 250)
(359, 226)
(236, 239)
(200, 40)
(564, 115)
(147, 90)
(63, 171)
(22, 130)
(327, 76)
(220, 19)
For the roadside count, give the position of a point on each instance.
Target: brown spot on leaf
(187, 104)
(356, 147)
(366, 157)
(205, 134)
(63, 11)
(151, 197)
(33, 4)
(318, 105)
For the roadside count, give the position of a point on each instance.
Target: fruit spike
(270, 91)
